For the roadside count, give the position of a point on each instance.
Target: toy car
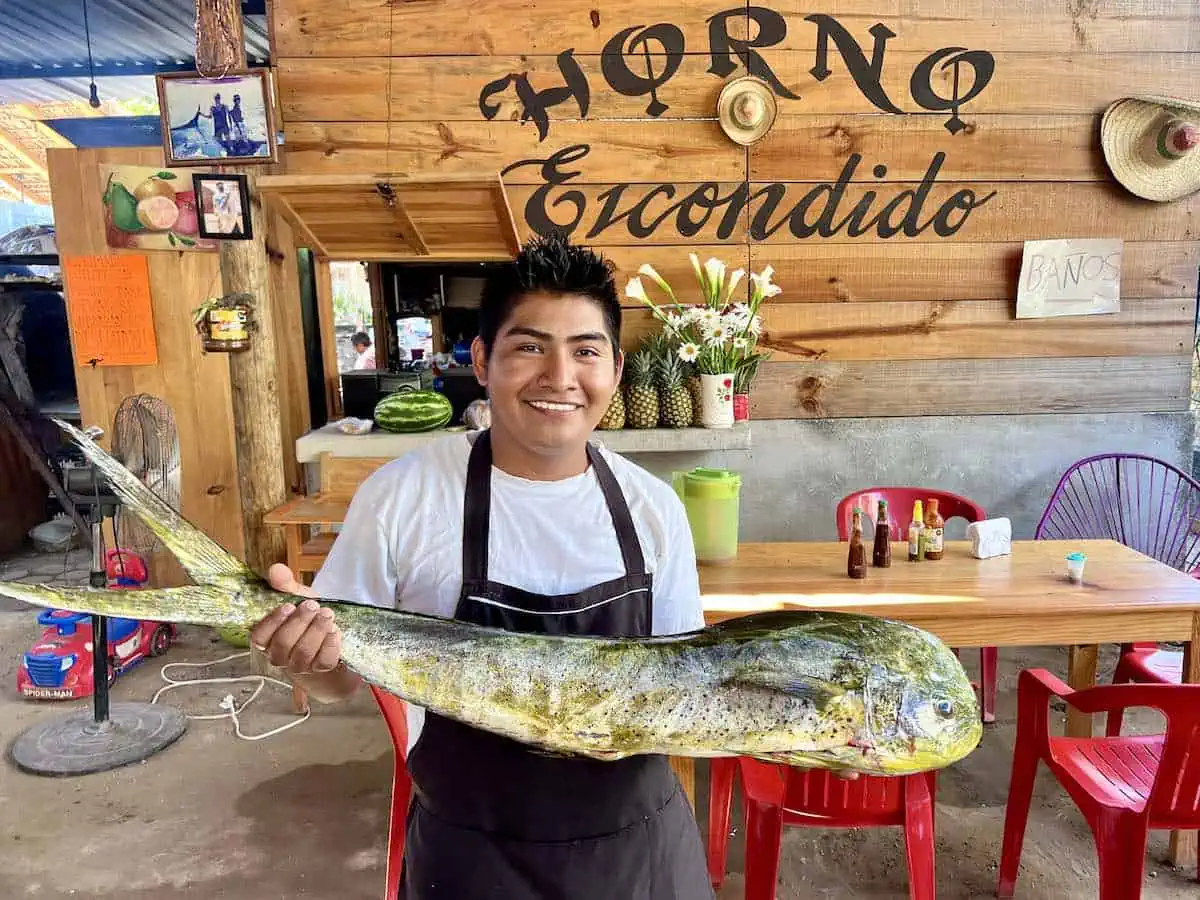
(59, 665)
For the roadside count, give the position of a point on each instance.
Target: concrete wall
(797, 470)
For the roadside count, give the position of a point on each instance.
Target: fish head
(923, 715)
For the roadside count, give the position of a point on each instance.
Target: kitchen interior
(425, 317)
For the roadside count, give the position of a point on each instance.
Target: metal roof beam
(41, 70)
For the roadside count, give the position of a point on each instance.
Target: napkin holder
(990, 537)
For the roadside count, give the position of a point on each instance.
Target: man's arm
(677, 606)
(360, 568)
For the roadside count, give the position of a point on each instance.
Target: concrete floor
(304, 813)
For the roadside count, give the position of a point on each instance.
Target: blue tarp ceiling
(44, 52)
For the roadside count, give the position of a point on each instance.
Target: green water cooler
(711, 498)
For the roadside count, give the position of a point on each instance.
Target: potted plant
(717, 336)
(224, 323)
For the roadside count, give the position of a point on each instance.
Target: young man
(528, 527)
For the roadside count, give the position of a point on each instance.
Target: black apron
(493, 818)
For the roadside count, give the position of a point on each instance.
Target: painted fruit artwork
(147, 208)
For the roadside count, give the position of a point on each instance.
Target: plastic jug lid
(713, 483)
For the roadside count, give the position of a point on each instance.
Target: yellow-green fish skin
(810, 688)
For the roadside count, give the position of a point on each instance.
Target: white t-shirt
(401, 542)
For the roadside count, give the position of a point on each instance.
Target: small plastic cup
(1075, 563)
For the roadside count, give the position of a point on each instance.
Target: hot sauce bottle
(935, 525)
(856, 564)
(916, 533)
(882, 555)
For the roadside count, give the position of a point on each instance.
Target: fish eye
(944, 708)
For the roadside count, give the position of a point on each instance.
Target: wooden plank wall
(602, 116)
(193, 383)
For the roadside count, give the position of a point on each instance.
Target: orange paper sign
(108, 305)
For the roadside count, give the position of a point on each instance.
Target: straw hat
(1152, 145)
(746, 109)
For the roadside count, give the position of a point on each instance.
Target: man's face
(551, 374)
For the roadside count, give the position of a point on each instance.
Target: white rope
(227, 702)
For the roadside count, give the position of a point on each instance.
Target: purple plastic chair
(1142, 502)
(1146, 504)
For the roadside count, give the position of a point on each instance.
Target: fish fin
(191, 604)
(815, 690)
(202, 558)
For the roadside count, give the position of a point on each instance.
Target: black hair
(360, 337)
(550, 264)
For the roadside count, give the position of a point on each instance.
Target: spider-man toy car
(59, 665)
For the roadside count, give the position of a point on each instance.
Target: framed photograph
(223, 203)
(214, 120)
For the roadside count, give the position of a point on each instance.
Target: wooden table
(1023, 599)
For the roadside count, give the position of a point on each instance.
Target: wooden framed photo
(223, 206)
(229, 119)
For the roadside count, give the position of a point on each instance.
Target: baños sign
(639, 60)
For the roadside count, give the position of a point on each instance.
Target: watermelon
(409, 411)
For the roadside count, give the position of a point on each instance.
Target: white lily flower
(734, 277)
(715, 269)
(763, 288)
(635, 291)
(695, 260)
(649, 271)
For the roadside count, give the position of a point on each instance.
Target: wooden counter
(309, 447)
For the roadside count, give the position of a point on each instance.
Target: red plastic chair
(900, 502)
(392, 708)
(1144, 664)
(1124, 786)
(775, 795)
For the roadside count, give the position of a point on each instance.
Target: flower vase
(741, 407)
(716, 401)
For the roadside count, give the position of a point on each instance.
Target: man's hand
(303, 639)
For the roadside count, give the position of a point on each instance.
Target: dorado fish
(816, 689)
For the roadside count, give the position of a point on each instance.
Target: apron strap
(618, 508)
(477, 505)
(478, 501)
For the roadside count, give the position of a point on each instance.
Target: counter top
(378, 443)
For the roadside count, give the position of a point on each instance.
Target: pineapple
(614, 416)
(694, 386)
(641, 401)
(674, 399)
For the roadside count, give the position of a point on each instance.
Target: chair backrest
(1143, 502)
(865, 800)
(900, 505)
(392, 708)
(341, 475)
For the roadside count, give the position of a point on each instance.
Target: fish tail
(206, 561)
(192, 604)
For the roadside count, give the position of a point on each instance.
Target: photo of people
(226, 118)
(223, 206)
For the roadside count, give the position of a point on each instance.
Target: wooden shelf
(628, 440)
(397, 218)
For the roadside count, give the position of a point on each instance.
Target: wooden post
(253, 373)
(333, 390)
